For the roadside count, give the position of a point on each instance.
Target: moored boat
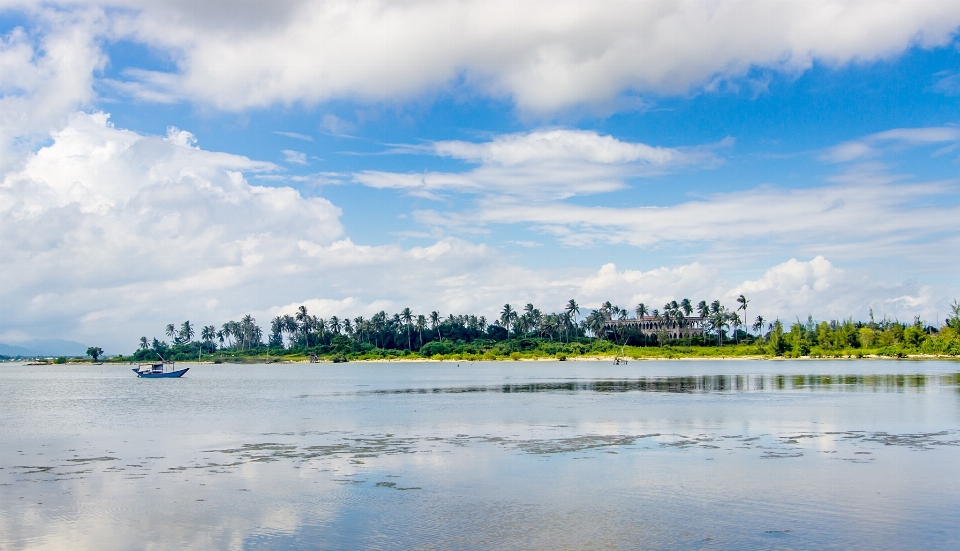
(162, 370)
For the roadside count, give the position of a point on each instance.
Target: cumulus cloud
(45, 78)
(108, 235)
(817, 287)
(790, 290)
(106, 222)
(544, 164)
(545, 56)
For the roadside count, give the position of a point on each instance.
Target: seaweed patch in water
(578, 443)
(91, 460)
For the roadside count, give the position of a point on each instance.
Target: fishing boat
(162, 370)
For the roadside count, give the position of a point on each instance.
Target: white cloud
(109, 235)
(294, 157)
(856, 221)
(546, 56)
(296, 135)
(947, 83)
(105, 224)
(876, 144)
(795, 289)
(335, 125)
(866, 212)
(787, 291)
(46, 78)
(543, 164)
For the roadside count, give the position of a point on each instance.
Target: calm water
(512, 455)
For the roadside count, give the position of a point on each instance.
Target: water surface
(508, 455)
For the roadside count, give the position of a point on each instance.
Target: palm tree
(758, 325)
(144, 343)
(719, 319)
(187, 332)
(172, 332)
(743, 305)
(507, 315)
(276, 328)
(595, 322)
(573, 309)
(249, 330)
(641, 310)
(334, 325)
(358, 324)
(407, 316)
(703, 310)
(620, 328)
(435, 324)
(686, 306)
(304, 319)
(421, 325)
(482, 323)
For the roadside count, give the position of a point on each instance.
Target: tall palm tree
(573, 309)
(435, 324)
(421, 325)
(641, 310)
(482, 323)
(144, 343)
(407, 316)
(743, 305)
(172, 332)
(334, 325)
(276, 328)
(304, 320)
(186, 332)
(248, 330)
(595, 322)
(703, 310)
(507, 315)
(719, 319)
(758, 325)
(358, 323)
(686, 306)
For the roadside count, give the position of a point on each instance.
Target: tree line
(519, 330)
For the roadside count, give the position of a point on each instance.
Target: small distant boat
(163, 370)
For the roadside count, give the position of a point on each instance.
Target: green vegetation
(94, 352)
(532, 334)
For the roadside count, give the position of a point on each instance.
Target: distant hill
(51, 347)
(10, 350)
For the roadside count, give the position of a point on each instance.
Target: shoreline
(594, 359)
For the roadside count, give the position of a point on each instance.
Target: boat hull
(169, 375)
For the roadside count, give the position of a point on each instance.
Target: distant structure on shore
(676, 328)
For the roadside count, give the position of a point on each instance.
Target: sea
(682, 454)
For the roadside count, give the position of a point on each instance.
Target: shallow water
(509, 455)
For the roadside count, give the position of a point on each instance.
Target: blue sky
(175, 162)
